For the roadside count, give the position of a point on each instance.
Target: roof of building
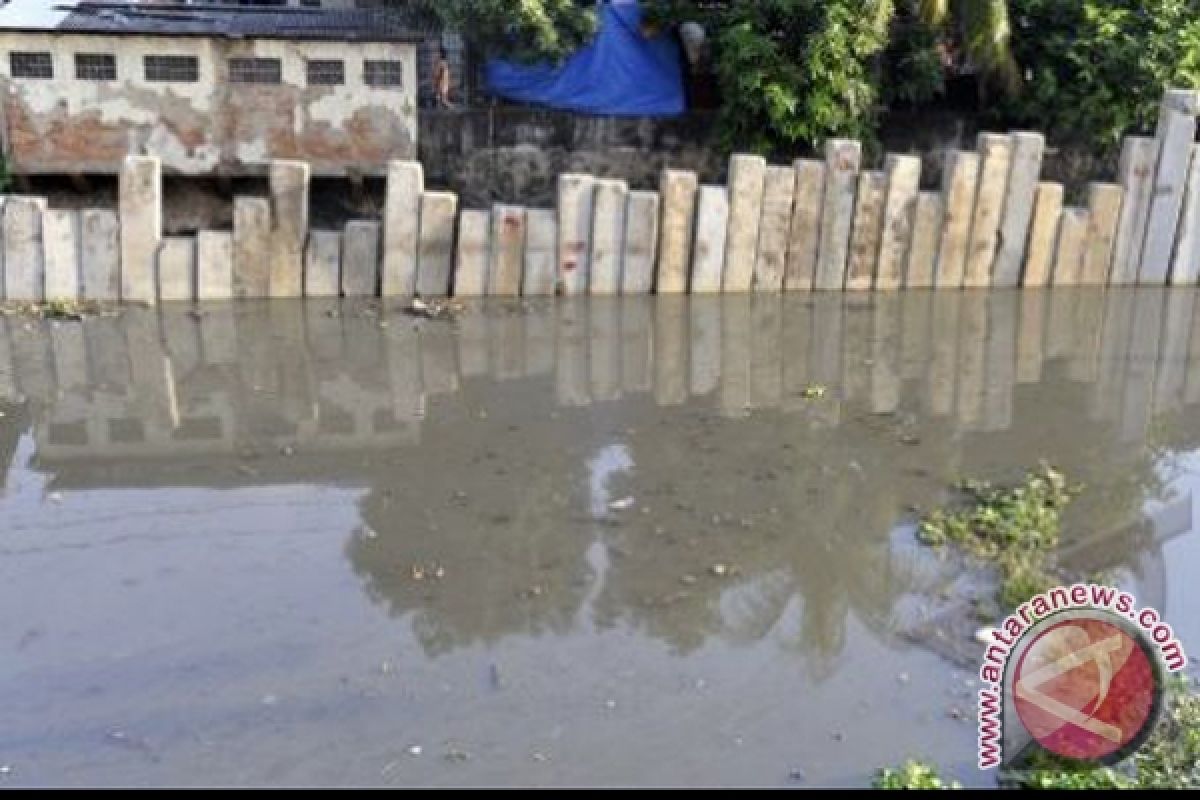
(214, 21)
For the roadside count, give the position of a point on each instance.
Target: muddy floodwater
(642, 541)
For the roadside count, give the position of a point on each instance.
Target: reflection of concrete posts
(404, 377)
(735, 357)
(855, 379)
(766, 356)
(1139, 374)
(604, 320)
(917, 317)
(1000, 365)
(885, 355)
(1169, 384)
(972, 332)
(1088, 319)
(637, 346)
(572, 375)
(1191, 387)
(1117, 329)
(539, 343)
(944, 356)
(1030, 330)
(671, 346)
(704, 318)
(826, 358)
(796, 352)
(8, 376)
(473, 344)
(508, 346)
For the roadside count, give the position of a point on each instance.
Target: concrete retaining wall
(807, 226)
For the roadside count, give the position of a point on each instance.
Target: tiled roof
(245, 22)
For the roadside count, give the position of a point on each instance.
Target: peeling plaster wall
(66, 125)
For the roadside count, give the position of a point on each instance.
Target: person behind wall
(442, 79)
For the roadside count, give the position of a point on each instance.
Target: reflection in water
(484, 503)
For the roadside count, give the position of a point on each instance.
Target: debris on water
(903, 677)
(796, 775)
(814, 392)
(719, 570)
(838, 736)
(270, 699)
(984, 634)
(955, 713)
(610, 704)
(68, 310)
(434, 309)
(494, 677)
(55, 497)
(287, 450)
(455, 755)
(415, 750)
(540, 757)
(386, 668)
(624, 504)
(910, 439)
(688, 580)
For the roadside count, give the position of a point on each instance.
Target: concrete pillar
(1043, 235)
(995, 153)
(775, 221)
(1136, 176)
(608, 236)
(471, 261)
(24, 255)
(1185, 262)
(575, 196)
(1027, 153)
(927, 228)
(1104, 210)
(805, 234)
(678, 189)
(868, 228)
(140, 207)
(401, 228)
(641, 243)
(322, 264)
(712, 225)
(747, 178)
(960, 179)
(541, 248)
(435, 260)
(1068, 256)
(100, 253)
(360, 258)
(899, 217)
(1175, 136)
(214, 265)
(843, 159)
(289, 227)
(508, 251)
(60, 239)
(177, 268)
(251, 247)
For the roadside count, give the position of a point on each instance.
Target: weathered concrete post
(995, 152)
(575, 197)
(177, 268)
(1175, 136)
(508, 251)
(1068, 260)
(608, 236)
(471, 267)
(770, 266)
(899, 218)
(435, 261)
(401, 228)
(712, 226)
(1028, 150)
(289, 226)
(927, 228)
(360, 258)
(960, 178)
(322, 264)
(140, 207)
(1136, 176)
(214, 265)
(805, 234)
(100, 255)
(868, 228)
(251, 247)
(1104, 209)
(843, 159)
(678, 189)
(541, 253)
(641, 243)
(747, 178)
(1185, 264)
(60, 237)
(1043, 235)
(24, 258)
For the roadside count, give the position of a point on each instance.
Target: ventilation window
(326, 73)
(31, 65)
(95, 67)
(172, 69)
(255, 70)
(383, 73)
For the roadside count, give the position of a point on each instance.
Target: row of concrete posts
(815, 225)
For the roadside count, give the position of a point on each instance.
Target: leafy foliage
(1016, 529)
(526, 30)
(1096, 69)
(912, 775)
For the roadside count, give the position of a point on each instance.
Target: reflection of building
(918, 388)
(206, 88)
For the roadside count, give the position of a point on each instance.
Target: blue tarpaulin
(621, 72)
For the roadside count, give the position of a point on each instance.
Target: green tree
(983, 29)
(524, 29)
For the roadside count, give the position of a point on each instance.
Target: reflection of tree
(486, 511)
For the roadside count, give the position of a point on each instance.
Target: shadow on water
(708, 476)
